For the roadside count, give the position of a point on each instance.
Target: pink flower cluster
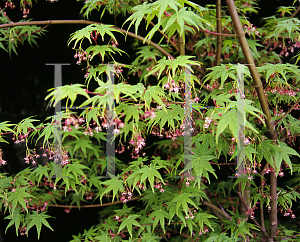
(149, 113)
(31, 156)
(207, 122)
(159, 186)
(138, 142)
(191, 214)
(2, 162)
(21, 138)
(289, 212)
(250, 29)
(118, 70)
(72, 121)
(287, 49)
(126, 196)
(82, 56)
(10, 4)
(50, 151)
(281, 91)
(172, 86)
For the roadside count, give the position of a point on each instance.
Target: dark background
(25, 80)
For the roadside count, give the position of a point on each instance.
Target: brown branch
(93, 205)
(265, 107)
(4, 14)
(254, 220)
(290, 191)
(217, 211)
(50, 22)
(290, 110)
(295, 13)
(181, 45)
(262, 219)
(162, 33)
(214, 33)
(219, 37)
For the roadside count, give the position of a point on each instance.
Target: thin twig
(4, 14)
(93, 205)
(290, 110)
(162, 33)
(254, 220)
(295, 13)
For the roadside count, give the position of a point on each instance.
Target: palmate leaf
(201, 166)
(130, 112)
(282, 153)
(266, 150)
(292, 123)
(24, 125)
(147, 172)
(150, 237)
(139, 12)
(125, 89)
(203, 219)
(114, 184)
(159, 214)
(86, 32)
(173, 65)
(174, 112)
(154, 93)
(37, 220)
(183, 17)
(47, 132)
(222, 237)
(69, 92)
(181, 201)
(39, 172)
(128, 222)
(229, 118)
(17, 197)
(4, 126)
(145, 53)
(15, 219)
(103, 50)
(223, 72)
(283, 69)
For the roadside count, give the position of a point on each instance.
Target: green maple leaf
(37, 219)
(162, 117)
(130, 112)
(39, 172)
(128, 222)
(69, 92)
(154, 93)
(147, 172)
(17, 197)
(150, 237)
(159, 215)
(114, 184)
(182, 200)
(16, 218)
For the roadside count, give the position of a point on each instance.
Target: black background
(25, 80)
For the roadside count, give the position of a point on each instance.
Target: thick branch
(295, 13)
(246, 207)
(264, 104)
(219, 30)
